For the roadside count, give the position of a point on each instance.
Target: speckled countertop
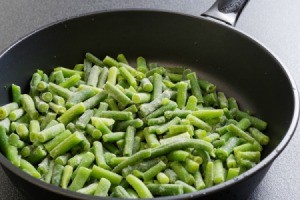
(274, 23)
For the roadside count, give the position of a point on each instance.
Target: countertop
(273, 23)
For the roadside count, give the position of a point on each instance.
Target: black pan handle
(226, 11)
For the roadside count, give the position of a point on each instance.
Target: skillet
(237, 64)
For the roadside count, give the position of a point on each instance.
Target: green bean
(224, 151)
(182, 88)
(191, 166)
(131, 108)
(218, 172)
(66, 176)
(36, 78)
(99, 155)
(232, 173)
(16, 93)
(24, 119)
(177, 113)
(63, 159)
(208, 113)
(102, 107)
(57, 140)
(87, 66)
(141, 98)
(12, 155)
(92, 131)
(186, 187)
(211, 137)
(13, 139)
(253, 156)
(259, 136)
(133, 159)
(59, 90)
(209, 174)
(148, 108)
(128, 76)
(182, 173)
(232, 104)
(47, 177)
(146, 85)
(43, 167)
(174, 77)
(22, 131)
(16, 114)
(211, 99)
(139, 187)
(94, 76)
(255, 122)
(231, 161)
(58, 77)
(248, 147)
(157, 86)
(28, 106)
(80, 96)
(116, 115)
(180, 137)
(68, 72)
(199, 183)
(47, 97)
(91, 58)
(80, 179)
(50, 132)
(84, 119)
(37, 155)
(112, 75)
(207, 86)
(7, 109)
(223, 102)
(78, 67)
(121, 58)
(195, 88)
(198, 123)
(178, 155)
(29, 168)
(240, 133)
(103, 187)
(67, 144)
(86, 161)
(153, 171)
(72, 113)
(102, 77)
(176, 129)
(121, 192)
(164, 128)
(156, 121)
(99, 173)
(129, 141)
(70, 82)
(158, 70)
(57, 174)
(165, 189)
(141, 65)
(117, 94)
(90, 189)
(99, 124)
(160, 111)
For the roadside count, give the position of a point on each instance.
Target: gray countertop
(273, 23)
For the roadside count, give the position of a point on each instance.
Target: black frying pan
(237, 64)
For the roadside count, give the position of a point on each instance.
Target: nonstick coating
(237, 64)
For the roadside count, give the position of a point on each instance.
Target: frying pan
(236, 63)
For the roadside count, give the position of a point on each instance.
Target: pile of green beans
(105, 128)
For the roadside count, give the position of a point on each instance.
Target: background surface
(273, 23)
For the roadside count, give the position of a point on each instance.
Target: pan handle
(226, 11)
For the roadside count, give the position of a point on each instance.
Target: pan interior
(236, 64)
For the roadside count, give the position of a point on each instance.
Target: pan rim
(264, 163)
